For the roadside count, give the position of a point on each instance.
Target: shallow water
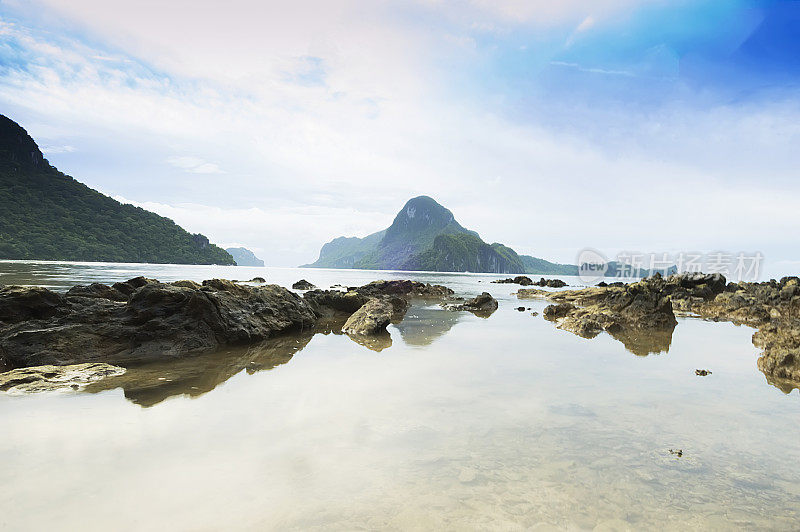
(463, 422)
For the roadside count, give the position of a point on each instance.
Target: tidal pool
(461, 422)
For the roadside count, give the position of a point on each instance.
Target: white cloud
(326, 123)
(194, 165)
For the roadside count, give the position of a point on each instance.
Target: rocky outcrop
(519, 279)
(482, 305)
(527, 281)
(143, 320)
(55, 378)
(158, 320)
(642, 314)
(302, 284)
(634, 314)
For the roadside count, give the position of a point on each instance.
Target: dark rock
(482, 305)
(158, 321)
(302, 284)
(187, 284)
(257, 280)
(521, 309)
(97, 290)
(602, 284)
(130, 285)
(20, 303)
(519, 279)
(702, 372)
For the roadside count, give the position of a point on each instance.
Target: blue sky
(550, 126)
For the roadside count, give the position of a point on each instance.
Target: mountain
(423, 236)
(244, 257)
(542, 267)
(47, 215)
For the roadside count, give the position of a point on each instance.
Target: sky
(639, 125)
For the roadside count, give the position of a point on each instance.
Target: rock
(20, 303)
(560, 310)
(534, 313)
(371, 318)
(97, 290)
(257, 280)
(302, 284)
(702, 372)
(519, 279)
(482, 305)
(143, 320)
(602, 284)
(52, 378)
(188, 284)
(404, 288)
(551, 283)
(521, 309)
(129, 286)
(158, 321)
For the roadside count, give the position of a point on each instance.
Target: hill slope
(423, 236)
(47, 215)
(244, 257)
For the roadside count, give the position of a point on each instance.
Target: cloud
(326, 123)
(194, 165)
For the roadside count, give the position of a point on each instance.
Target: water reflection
(643, 343)
(149, 384)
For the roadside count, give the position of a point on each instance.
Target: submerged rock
(302, 284)
(53, 378)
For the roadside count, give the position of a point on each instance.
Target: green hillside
(47, 215)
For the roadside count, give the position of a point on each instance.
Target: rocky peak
(419, 214)
(17, 146)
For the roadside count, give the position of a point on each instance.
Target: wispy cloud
(194, 165)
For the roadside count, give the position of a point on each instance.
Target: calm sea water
(461, 423)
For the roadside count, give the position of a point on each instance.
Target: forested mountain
(47, 215)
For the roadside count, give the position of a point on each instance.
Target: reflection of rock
(151, 383)
(482, 305)
(51, 378)
(638, 315)
(302, 284)
(423, 324)
(376, 341)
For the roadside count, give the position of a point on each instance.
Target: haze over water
(462, 422)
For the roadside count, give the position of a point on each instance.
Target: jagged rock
(52, 378)
(519, 279)
(323, 301)
(158, 321)
(302, 284)
(481, 305)
(20, 303)
(97, 290)
(371, 318)
(130, 285)
(404, 288)
(187, 284)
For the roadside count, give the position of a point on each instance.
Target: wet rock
(404, 288)
(129, 286)
(521, 309)
(257, 280)
(702, 372)
(551, 283)
(519, 279)
(302, 284)
(52, 378)
(323, 301)
(97, 290)
(20, 303)
(158, 321)
(187, 284)
(534, 313)
(371, 318)
(481, 305)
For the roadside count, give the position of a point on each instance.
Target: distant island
(47, 215)
(426, 236)
(244, 257)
